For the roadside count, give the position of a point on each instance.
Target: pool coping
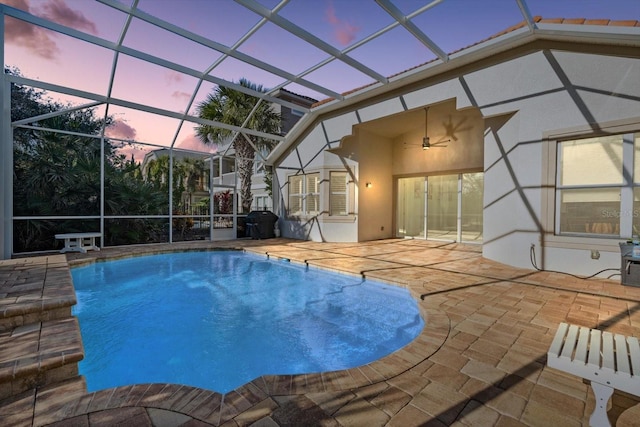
(215, 408)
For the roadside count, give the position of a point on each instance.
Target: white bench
(609, 361)
(79, 242)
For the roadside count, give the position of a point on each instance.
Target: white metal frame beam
(24, 16)
(310, 38)
(137, 106)
(6, 160)
(406, 22)
(231, 52)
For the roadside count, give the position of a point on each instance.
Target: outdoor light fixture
(368, 185)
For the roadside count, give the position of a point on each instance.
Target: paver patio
(481, 360)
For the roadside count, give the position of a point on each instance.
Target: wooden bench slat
(634, 353)
(570, 342)
(594, 349)
(608, 360)
(583, 343)
(622, 355)
(78, 235)
(558, 340)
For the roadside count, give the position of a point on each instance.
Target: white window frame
(261, 202)
(626, 188)
(304, 195)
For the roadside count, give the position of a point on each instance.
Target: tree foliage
(232, 107)
(58, 174)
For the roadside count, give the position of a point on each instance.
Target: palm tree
(232, 107)
(193, 171)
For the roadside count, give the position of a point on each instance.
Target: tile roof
(522, 24)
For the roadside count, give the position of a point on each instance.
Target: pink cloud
(37, 40)
(343, 31)
(58, 11)
(33, 38)
(172, 77)
(192, 142)
(18, 4)
(181, 96)
(119, 129)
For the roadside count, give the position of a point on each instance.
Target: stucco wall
(519, 101)
(373, 154)
(458, 133)
(544, 92)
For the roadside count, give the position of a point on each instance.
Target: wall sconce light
(368, 185)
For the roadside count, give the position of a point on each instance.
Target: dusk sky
(52, 57)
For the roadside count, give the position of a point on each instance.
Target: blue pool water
(217, 320)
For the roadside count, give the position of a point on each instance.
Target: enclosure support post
(6, 160)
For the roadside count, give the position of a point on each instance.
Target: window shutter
(338, 196)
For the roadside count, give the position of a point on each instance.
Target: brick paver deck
(481, 360)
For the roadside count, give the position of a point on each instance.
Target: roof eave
(595, 34)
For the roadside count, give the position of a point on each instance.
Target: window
(259, 167)
(304, 194)
(313, 194)
(594, 194)
(338, 201)
(296, 194)
(261, 203)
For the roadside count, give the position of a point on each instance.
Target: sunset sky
(45, 55)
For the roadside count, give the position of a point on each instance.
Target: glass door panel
(442, 207)
(472, 190)
(410, 218)
(446, 207)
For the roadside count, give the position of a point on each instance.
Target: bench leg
(599, 416)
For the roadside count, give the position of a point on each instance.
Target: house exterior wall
(375, 203)
(373, 154)
(524, 104)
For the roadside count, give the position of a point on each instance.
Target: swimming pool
(219, 319)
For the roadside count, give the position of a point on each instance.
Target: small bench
(79, 242)
(609, 361)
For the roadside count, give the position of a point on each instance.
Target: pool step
(44, 406)
(40, 342)
(34, 290)
(39, 354)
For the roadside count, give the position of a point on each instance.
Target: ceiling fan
(426, 143)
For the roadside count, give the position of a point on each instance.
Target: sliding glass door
(410, 217)
(471, 209)
(440, 207)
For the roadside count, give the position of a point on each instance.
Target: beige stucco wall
(383, 158)
(463, 152)
(375, 204)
